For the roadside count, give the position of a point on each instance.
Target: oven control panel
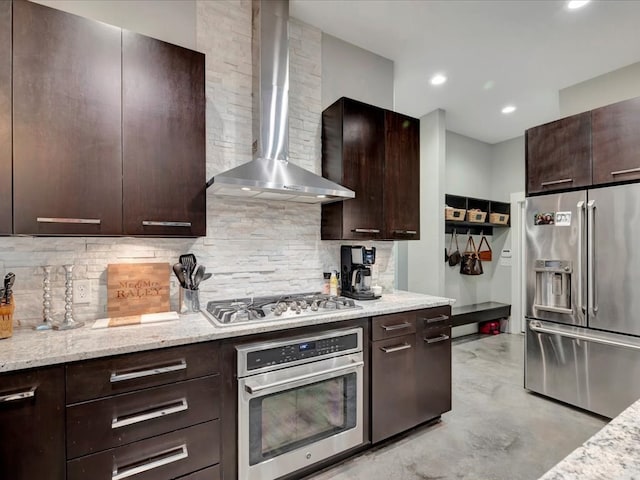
(301, 350)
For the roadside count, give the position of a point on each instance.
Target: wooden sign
(137, 288)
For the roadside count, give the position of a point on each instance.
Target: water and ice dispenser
(553, 285)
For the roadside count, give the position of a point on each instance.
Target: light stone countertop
(612, 453)
(28, 348)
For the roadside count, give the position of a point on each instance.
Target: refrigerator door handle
(591, 293)
(580, 206)
(537, 327)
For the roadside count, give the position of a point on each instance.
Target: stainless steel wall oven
(300, 400)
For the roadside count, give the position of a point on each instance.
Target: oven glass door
(311, 416)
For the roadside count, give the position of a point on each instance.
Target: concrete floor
(495, 431)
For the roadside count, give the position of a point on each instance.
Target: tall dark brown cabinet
(5, 119)
(558, 154)
(32, 425)
(163, 115)
(374, 152)
(67, 156)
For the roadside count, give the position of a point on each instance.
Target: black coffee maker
(355, 276)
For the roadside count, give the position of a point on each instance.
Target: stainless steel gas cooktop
(278, 307)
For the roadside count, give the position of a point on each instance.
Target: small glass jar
(326, 288)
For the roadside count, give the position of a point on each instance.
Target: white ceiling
(498, 52)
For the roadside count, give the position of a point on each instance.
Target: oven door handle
(258, 388)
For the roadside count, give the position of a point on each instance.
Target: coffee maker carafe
(355, 274)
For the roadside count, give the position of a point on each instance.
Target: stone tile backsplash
(252, 247)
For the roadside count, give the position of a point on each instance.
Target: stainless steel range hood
(271, 175)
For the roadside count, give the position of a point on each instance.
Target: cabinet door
(616, 142)
(67, 155)
(32, 425)
(6, 196)
(402, 177)
(393, 395)
(559, 154)
(353, 155)
(433, 358)
(163, 138)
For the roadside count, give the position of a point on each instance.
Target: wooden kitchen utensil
(137, 288)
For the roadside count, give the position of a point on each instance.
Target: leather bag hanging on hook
(455, 257)
(484, 255)
(471, 264)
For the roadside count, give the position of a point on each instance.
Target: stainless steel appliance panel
(614, 258)
(597, 371)
(559, 243)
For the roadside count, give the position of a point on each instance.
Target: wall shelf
(475, 228)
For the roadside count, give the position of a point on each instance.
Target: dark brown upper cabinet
(616, 142)
(67, 154)
(558, 154)
(402, 177)
(163, 124)
(375, 153)
(5, 119)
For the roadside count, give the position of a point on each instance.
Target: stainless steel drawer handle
(397, 348)
(14, 397)
(624, 172)
(399, 326)
(151, 223)
(439, 338)
(439, 318)
(161, 411)
(251, 389)
(168, 456)
(557, 182)
(121, 377)
(90, 221)
(366, 230)
(538, 328)
(405, 232)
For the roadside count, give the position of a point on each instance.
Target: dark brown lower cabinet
(32, 425)
(433, 360)
(211, 473)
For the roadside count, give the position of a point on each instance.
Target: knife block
(6, 319)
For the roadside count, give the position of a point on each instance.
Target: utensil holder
(6, 319)
(189, 300)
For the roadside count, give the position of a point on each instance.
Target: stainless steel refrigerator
(583, 297)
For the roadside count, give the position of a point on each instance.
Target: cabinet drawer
(159, 458)
(100, 424)
(394, 325)
(211, 473)
(125, 373)
(434, 317)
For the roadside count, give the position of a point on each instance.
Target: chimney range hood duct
(271, 175)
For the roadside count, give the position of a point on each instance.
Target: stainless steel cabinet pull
(406, 232)
(439, 338)
(399, 326)
(366, 230)
(146, 465)
(538, 328)
(591, 292)
(163, 410)
(91, 221)
(623, 172)
(439, 318)
(14, 397)
(557, 182)
(257, 388)
(151, 223)
(121, 377)
(397, 348)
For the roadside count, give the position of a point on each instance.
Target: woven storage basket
(6, 319)
(476, 216)
(499, 218)
(456, 214)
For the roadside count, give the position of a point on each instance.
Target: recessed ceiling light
(573, 4)
(438, 79)
(509, 109)
(246, 189)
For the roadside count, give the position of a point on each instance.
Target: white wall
(251, 246)
(350, 71)
(611, 87)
